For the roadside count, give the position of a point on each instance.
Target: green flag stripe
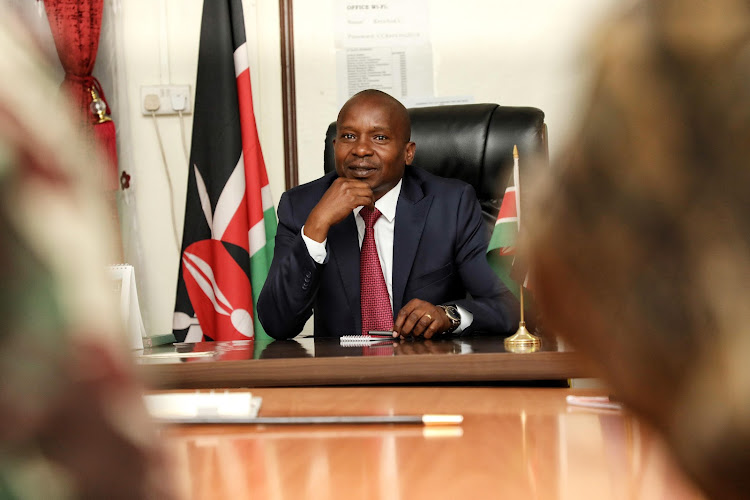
(260, 263)
(504, 235)
(502, 264)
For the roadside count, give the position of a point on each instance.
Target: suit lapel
(344, 245)
(411, 215)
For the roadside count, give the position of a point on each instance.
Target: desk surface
(514, 443)
(306, 362)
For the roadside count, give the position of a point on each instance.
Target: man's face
(371, 144)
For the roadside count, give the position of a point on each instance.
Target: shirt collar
(387, 203)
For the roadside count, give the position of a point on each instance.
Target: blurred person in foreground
(72, 422)
(640, 238)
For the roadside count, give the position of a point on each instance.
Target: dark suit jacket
(439, 255)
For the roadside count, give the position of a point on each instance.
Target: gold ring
(428, 316)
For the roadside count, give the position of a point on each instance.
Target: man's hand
(420, 319)
(337, 203)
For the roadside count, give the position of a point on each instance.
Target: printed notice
(384, 45)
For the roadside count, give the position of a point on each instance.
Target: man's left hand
(419, 318)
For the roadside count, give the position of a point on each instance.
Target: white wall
(510, 52)
(506, 51)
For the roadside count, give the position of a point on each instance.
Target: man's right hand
(337, 203)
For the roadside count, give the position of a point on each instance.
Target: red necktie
(377, 313)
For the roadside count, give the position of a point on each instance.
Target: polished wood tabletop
(515, 443)
(316, 362)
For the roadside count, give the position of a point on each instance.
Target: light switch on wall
(165, 99)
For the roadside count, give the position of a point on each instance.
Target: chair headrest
(471, 142)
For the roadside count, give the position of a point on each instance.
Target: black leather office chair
(474, 143)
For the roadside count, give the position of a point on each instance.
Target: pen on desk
(380, 333)
(427, 420)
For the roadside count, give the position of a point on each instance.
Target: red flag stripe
(508, 207)
(255, 170)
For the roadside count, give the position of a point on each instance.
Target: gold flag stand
(522, 340)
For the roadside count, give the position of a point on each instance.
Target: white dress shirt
(383, 232)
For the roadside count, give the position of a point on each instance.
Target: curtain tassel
(104, 131)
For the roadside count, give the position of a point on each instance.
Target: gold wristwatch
(455, 318)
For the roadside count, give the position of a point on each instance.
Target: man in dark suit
(429, 239)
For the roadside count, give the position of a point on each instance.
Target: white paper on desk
(203, 405)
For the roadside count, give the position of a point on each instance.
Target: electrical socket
(169, 97)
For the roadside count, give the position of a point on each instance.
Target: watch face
(452, 314)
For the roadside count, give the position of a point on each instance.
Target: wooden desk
(515, 443)
(310, 362)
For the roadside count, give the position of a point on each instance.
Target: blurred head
(640, 237)
(372, 140)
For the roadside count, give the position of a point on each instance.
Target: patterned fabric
(377, 313)
(640, 234)
(56, 301)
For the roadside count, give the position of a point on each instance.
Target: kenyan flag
(501, 252)
(230, 223)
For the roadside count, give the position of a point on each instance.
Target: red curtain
(76, 25)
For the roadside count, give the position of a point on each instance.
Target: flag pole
(522, 340)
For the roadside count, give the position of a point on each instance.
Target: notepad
(363, 340)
